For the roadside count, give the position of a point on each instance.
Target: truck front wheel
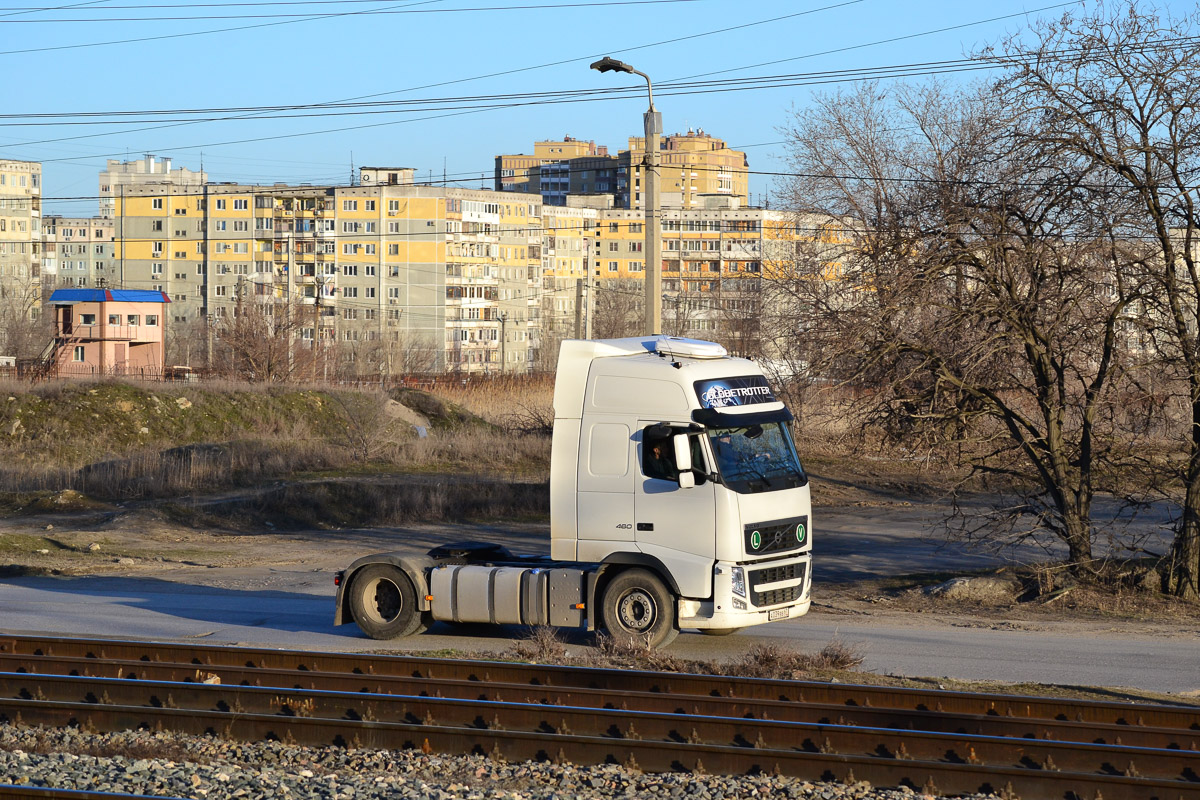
(638, 607)
(383, 602)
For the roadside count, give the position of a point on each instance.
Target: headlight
(739, 581)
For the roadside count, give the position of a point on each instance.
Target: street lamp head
(608, 64)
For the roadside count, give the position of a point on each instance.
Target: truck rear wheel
(637, 607)
(383, 602)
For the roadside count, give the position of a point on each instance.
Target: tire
(383, 602)
(638, 608)
(720, 631)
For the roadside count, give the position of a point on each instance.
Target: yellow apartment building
(713, 262)
(693, 165)
(547, 171)
(379, 278)
(568, 235)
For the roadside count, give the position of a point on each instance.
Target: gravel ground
(173, 765)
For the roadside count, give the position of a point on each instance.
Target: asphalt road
(286, 607)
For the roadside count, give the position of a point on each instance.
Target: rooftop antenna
(352, 168)
(443, 170)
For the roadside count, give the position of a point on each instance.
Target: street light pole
(650, 205)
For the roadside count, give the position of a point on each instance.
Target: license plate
(779, 613)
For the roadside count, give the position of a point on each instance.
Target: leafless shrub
(614, 653)
(541, 645)
(772, 660)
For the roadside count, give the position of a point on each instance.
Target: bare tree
(1120, 89)
(618, 309)
(24, 331)
(973, 303)
(260, 342)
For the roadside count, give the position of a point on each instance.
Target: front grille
(788, 572)
(776, 597)
(776, 537)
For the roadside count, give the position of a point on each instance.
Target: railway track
(948, 742)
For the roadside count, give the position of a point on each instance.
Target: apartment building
(692, 166)
(547, 172)
(149, 170)
(714, 260)
(78, 252)
(567, 235)
(20, 239)
(384, 276)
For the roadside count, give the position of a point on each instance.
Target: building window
(79, 352)
(133, 319)
(241, 205)
(87, 319)
(114, 319)
(369, 205)
(612, 266)
(349, 205)
(156, 203)
(152, 319)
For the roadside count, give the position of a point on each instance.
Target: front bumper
(770, 591)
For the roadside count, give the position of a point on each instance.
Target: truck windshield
(757, 458)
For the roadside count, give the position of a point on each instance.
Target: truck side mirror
(683, 460)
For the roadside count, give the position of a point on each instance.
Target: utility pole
(591, 307)
(210, 320)
(653, 124)
(503, 340)
(579, 306)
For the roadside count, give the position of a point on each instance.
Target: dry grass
(119, 441)
(510, 402)
(774, 661)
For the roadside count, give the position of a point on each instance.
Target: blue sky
(431, 50)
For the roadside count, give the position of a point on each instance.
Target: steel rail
(19, 792)
(850, 695)
(695, 705)
(926, 776)
(1080, 757)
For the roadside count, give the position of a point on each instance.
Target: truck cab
(726, 523)
(677, 500)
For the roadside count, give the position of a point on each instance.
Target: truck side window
(658, 457)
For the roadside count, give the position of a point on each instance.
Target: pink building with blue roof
(102, 332)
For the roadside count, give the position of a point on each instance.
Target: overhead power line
(365, 12)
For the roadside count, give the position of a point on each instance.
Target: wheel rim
(384, 601)
(637, 611)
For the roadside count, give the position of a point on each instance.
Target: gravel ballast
(208, 768)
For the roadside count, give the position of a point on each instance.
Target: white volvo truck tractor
(677, 500)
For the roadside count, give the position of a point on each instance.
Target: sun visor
(721, 418)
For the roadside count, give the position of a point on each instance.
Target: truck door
(673, 524)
